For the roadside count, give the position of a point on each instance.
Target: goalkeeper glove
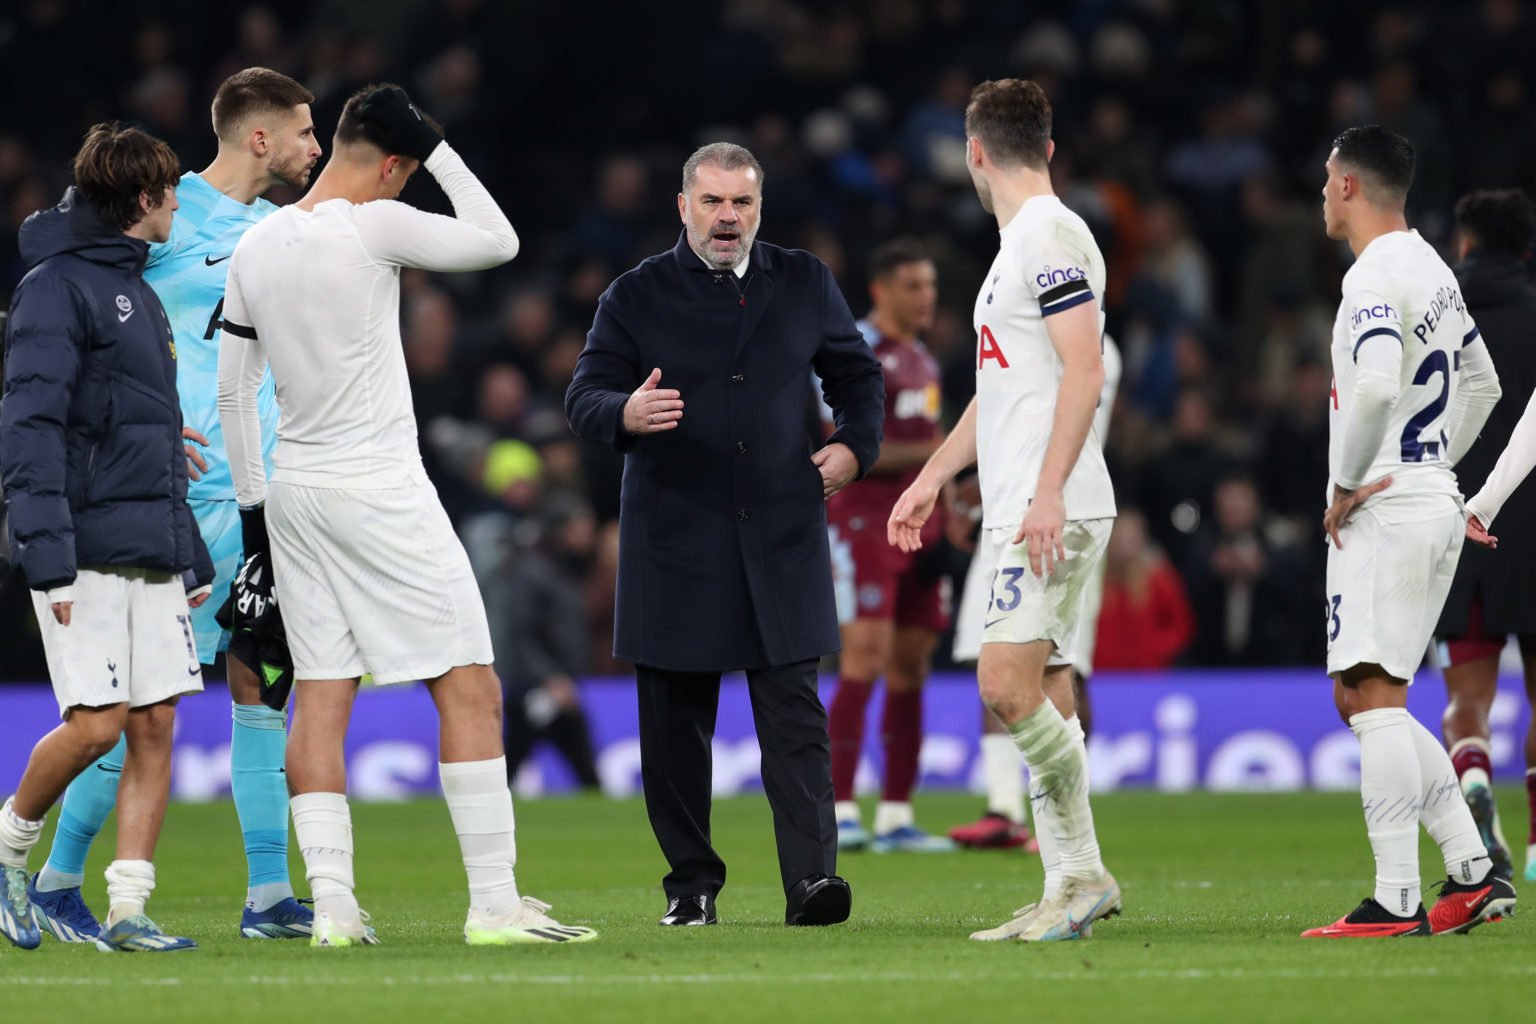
(392, 122)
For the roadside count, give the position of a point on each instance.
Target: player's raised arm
(1514, 465)
(1477, 392)
(477, 237)
(242, 364)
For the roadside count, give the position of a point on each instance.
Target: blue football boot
(63, 914)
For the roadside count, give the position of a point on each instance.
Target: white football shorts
(1004, 602)
(374, 581)
(129, 640)
(1386, 588)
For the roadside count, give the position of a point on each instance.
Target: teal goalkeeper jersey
(188, 273)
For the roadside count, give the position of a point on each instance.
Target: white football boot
(528, 922)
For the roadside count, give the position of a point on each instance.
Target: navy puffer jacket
(91, 454)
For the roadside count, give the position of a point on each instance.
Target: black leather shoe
(818, 899)
(690, 910)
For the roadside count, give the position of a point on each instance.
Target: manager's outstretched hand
(651, 410)
(393, 123)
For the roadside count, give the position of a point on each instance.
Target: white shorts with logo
(1387, 586)
(129, 640)
(1004, 602)
(374, 581)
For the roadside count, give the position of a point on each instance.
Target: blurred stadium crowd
(1190, 134)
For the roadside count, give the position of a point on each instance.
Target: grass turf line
(1217, 888)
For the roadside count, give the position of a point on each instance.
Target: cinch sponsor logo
(1048, 277)
(1381, 311)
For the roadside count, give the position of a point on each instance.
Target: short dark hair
(1384, 156)
(1498, 220)
(254, 91)
(1012, 118)
(349, 127)
(896, 253)
(117, 164)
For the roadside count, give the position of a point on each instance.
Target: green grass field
(1216, 890)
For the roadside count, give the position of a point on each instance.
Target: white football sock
(1050, 852)
(847, 810)
(17, 836)
(129, 883)
(891, 815)
(1058, 770)
(1004, 774)
(1444, 810)
(322, 827)
(481, 807)
(1390, 796)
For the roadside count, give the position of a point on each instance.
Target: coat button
(741, 447)
(743, 515)
(738, 379)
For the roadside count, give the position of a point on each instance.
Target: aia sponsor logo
(988, 348)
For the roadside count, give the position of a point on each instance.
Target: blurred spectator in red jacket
(1145, 621)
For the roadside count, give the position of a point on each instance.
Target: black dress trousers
(677, 724)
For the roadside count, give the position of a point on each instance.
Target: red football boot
(1462, 907)
(1370, 920)
(994, 832)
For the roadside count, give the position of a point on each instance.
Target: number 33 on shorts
(1332, 618)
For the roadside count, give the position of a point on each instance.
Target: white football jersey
(1401, 292)
(1047, 262)
(317, 293)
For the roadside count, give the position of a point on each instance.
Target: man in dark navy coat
(696, 368)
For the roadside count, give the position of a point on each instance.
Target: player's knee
(998, 697)
(153, 725)
(97, 730)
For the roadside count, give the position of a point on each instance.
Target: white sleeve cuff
(58, 595)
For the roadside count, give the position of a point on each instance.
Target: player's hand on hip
(652, 409)
(1344, 504)
(837, 465)
(61, 611)
(904, 529)
(196, 464)
(1041, 532)
(1477, 533)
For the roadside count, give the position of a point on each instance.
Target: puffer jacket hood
(76, 226)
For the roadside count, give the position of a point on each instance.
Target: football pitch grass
(1217, 888)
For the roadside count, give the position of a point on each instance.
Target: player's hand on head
(1041, 532)
(904, 529)
(1477, 533)
(652, 409)
(837, 465)
(392, 122)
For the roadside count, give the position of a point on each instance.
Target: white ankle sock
(322, 827)
(847, 810)
(481, 807)
(891, 815)
(1444, 812)
(129, 883)
(1391, 798)
(1058, 770)
(1050, 852)
(17, 836)
(1004, 774)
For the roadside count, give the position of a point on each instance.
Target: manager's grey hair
(725, 155)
